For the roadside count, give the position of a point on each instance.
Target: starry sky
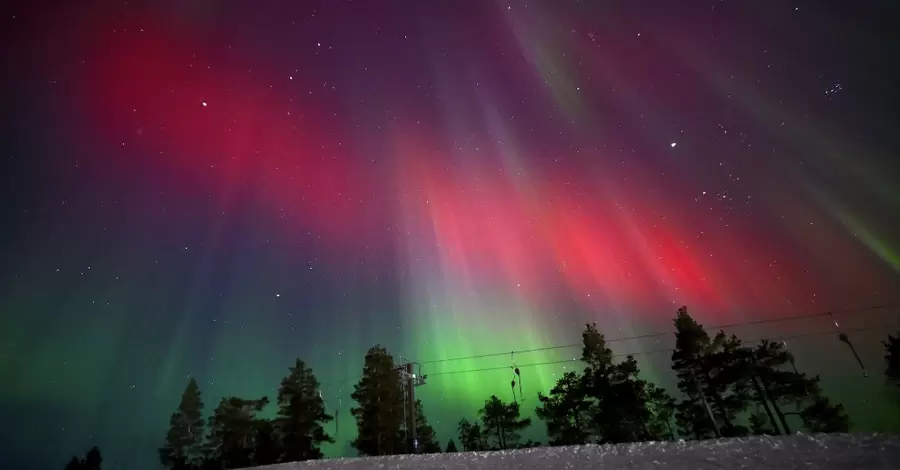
(209, 189)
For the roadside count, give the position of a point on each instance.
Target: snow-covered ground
(811, 452)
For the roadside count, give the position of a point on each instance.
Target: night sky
(212, 188)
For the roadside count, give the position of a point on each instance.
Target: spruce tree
(451, 447)
(233, 431)
(502, 420)
(428, 443)
(566, 411)
(267, 448)
(301, 415)
(183, 449)
(708, 368)
(380, 402)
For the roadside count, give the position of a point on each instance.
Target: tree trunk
(787, 429)
(644, 429)
(722, 413)
(784, 424)
(764, 402)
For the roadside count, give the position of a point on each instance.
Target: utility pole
(412, 378)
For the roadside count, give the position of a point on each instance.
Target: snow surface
(812, 452)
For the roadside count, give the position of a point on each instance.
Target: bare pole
(411, 409)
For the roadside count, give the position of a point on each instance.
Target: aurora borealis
(213, 188)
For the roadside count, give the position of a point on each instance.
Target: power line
(654, 335)
(651, 352)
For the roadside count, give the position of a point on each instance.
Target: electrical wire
(651, 352)
(654, 335)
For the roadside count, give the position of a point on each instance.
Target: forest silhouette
(727, 388)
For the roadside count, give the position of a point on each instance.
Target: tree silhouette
(502, 421)
(267, 448)
(892, 360)
(709, 375)
(662, 412)
(233, 431)
(380, 402)
(621, 406)
(784, 387)
(471, 436)
(74, 464)
(91, 461)
(301, 415)
(823, 416)
(451, 447)
(760, 424)
(608, 401)
(566, 411)
(428, 443)
(183, 448)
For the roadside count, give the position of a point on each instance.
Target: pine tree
(662, 412)
(622, 410)
(502, 420)
(301, 415)
(823, 416)
(74, 464)
(708, 369)
(380, 402)
(783, 387)
(565, 411)
(232, 431)
(428, 443)
(183, 449)
(451, 447)
(471, 436)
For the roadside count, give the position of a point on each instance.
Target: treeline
(726, 388)
(236, 436)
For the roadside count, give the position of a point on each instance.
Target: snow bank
(820, 452)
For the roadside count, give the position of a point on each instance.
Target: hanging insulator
(517, 372)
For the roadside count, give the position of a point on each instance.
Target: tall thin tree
(183, 448)
(380, 402)
(301, 415)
